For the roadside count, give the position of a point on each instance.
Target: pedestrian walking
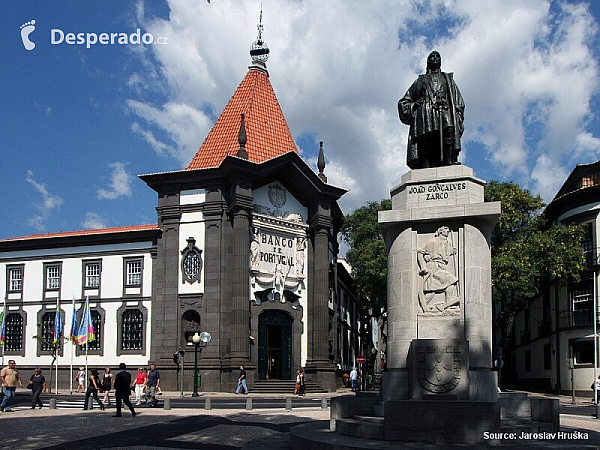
(92, 389)
(80, 380)
(107, 382)
(140, 385)
(153, 383)
(10, 377)
(37, 383)
(345, 377)
(123, 390)
(302, 390)
(242, 383)
(354, 379)
(297, 386)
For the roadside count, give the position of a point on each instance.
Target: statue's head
(443, 231)
(434, 61)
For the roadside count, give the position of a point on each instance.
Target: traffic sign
(361, 359)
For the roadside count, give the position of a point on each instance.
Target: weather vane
(259, 50)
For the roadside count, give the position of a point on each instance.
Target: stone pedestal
(439, 308)
(439, 282)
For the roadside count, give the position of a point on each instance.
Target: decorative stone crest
(277, 196)
(439, 367)
(191, 262)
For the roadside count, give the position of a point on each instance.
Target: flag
(3, 326)
(58, 325)
(73, 334)
(85, 332)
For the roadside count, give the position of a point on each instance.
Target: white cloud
(44, 209)
(186, 128)
(120, 183)
(548, 176)
(526, 70)
(93, 221)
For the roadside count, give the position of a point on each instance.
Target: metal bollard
(52, 403)
(323, 403)
(207, 404)
(90, 404)
(288, 404)
(167, 404)
(249, 404)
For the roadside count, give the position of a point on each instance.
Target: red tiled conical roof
(266, 128)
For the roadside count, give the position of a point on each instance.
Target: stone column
(319, 368)
(165, 308)
(240, 344)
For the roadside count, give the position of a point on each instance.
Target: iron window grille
(132, 337)
(14, 333)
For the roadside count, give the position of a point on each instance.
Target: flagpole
(87, 345)
(72, 350)
(57, 333)
(3, 320)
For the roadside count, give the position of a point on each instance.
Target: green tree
(367, 254)
(528, 252)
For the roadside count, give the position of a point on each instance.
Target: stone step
(360, 428)
(514, 404)
(371, 419)
(378, 409)
(516, 425)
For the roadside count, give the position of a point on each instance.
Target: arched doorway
(274, 346)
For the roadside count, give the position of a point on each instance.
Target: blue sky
(80, 123)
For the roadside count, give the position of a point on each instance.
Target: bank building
(244, 248)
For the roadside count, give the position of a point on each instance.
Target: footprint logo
(26, 29)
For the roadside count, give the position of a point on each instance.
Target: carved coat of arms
(439, 367)
(277, 195)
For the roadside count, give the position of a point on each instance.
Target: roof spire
(242, 139)
(259, 52)
(321, 163)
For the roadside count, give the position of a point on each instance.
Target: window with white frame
(15, 279)
(52, 277)
(92, 275)
(133, 272)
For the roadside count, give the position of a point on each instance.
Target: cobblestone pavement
(258, 429)
(151, 429)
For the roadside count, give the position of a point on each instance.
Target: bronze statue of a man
(434, 109)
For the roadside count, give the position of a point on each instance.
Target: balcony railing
(569, 319)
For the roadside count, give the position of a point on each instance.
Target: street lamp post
(196, 341)
(199, 341)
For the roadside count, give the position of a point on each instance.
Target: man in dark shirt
(123, 390)
(153, 383)
(242, 381)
